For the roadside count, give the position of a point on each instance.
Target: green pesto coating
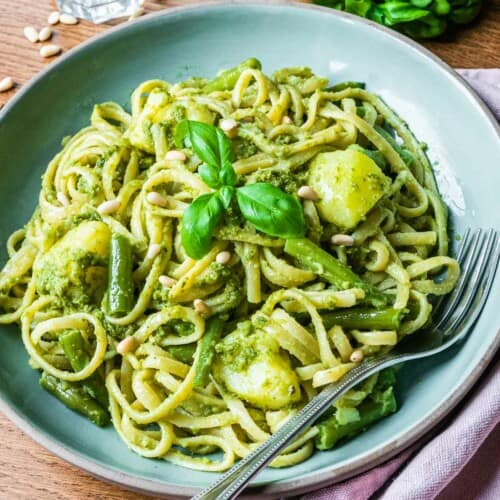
(207, 351)
(75, 398)
(364, 318)
(73, 273)
(74, 348)
(121, 284)
(313, 257)
(226, 80)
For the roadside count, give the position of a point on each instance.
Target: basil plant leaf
(226, 194)
(227, 175)
(208, 142)
(209, 175)
(401, 12)
(271, 210)
(359, 7)
(429, 26)
(422, 4)
(198, 224)
(225, 148)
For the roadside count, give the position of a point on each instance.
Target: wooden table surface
(27, 470)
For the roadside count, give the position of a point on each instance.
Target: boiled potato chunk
(348, 183)
(75, 268)
(252, 367)
(90, 236)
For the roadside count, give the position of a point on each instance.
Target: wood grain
(28, 471)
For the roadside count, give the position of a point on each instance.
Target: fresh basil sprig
(267, 207)
(271, 210)
(212, 147)
(198, 224)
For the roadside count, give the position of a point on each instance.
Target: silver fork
(479, 255)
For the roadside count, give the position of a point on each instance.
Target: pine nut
(153, 250)
(307, 193)
(126, 345)
(62, 199)
(45, 34)
(286, 120)
(6, 84)
(68, 19)
(200, 307)
(357, 356)
(138, 13)
(157, 199)
(109, 207)
(166, 281)
(342, 239)
(223, 257)
(31, 34)
(54, 17)
(174, 155)
(229, 127)
(50, 50)
(228, 124)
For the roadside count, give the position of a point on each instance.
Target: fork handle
(235, 479)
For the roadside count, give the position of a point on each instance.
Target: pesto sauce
(77, 276)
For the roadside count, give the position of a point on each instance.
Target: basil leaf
(208, 142)
(429, 26)
(225, 148)
(227, 175)
(198, 224)
(400, 12)
(271, 210)
(421, 3)
(462, 14)
(226, 194)
(359, 7)
(209, 175)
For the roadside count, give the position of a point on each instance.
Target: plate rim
(313, 480)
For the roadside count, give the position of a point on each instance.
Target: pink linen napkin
(461, 461)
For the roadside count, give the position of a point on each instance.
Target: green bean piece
(207, 351)
(183, 353)
(121, 285)
(75, 398)
(364, 318)
(345, 85)
(378, 405)
(313, 257)
(406, 155)
(74, 348)
(386, 378)
(226, 80)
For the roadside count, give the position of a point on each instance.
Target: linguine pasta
(282, 326)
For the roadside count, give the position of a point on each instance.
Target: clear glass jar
(99, 11)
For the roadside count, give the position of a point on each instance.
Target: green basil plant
(415, 18)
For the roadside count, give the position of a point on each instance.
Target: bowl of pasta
(240, 205)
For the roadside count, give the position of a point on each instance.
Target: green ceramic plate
(463, 141)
